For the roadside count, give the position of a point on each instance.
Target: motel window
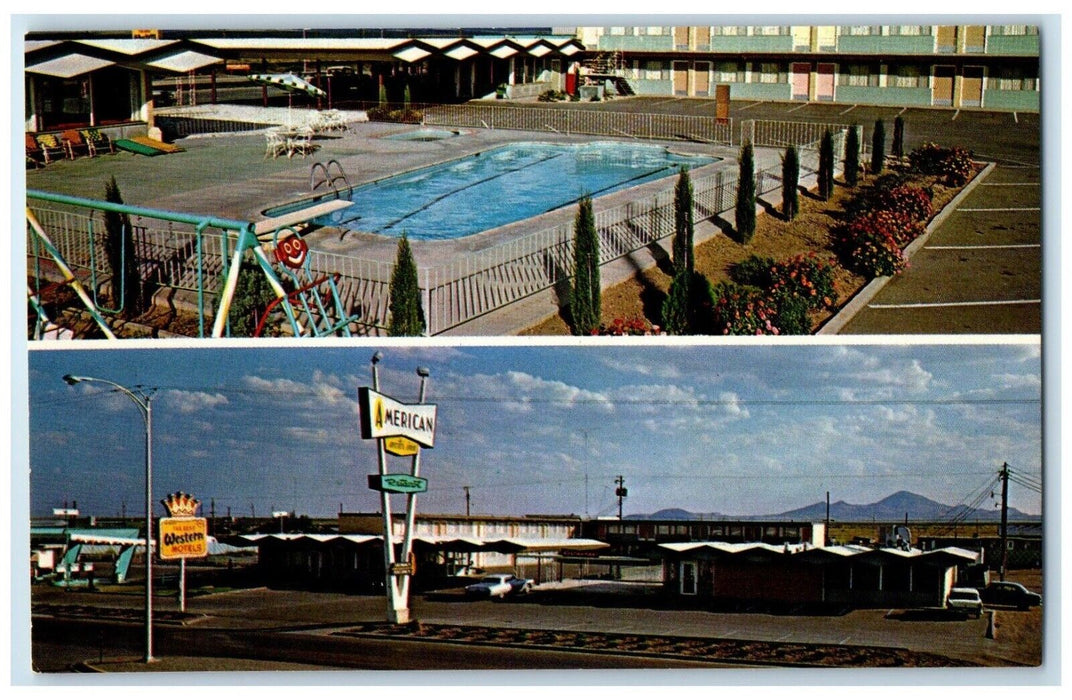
(1014, 30)
(655, 31)
(860, 31)
(617, 31)
(770, 31)
(736, 531)
(793, 532)
(662, 529)
(771, 531)
(768, 73)
(688, 578)
(906, 77)
(728, 72)
(653, 70)
(629, 529)
(727, 31)
(1009, 78)
(909, 30)
(859, 75)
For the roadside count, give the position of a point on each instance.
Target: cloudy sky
(737, 429)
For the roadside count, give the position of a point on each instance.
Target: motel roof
(810, 554)
(70, 58)
(505, 545)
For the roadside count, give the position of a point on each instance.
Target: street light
(142, 398)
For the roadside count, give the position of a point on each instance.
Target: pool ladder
(327, 177)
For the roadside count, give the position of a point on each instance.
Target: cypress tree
(878, 148)
(790, 180)
(407, 313)
(898, 137)
(745, 210)
(826, 166)
(122, 257)
(852, 156)
(586, 296)
(252, 295)
(683, 223)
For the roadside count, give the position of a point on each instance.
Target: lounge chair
(51, 146)
(275, 144)
(34, 155)
(97, 141)
(73, 143)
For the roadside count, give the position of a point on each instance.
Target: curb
(836, 323)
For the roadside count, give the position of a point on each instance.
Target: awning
(460, 53)
(288, 81)
(69, 66)
(412, 54)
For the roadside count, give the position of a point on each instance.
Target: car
(966, 601)
(1009, 593)
(498, 586)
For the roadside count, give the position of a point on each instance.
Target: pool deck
(228, 176)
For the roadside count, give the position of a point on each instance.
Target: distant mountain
(891, 509)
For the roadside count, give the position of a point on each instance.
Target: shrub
(745, 208)
(871, 244)
(397, 116)
(755, 271)
(742, 310)
(585, 297)
(852, 156)
(251, 298)
(911, 202)
(688, 305)
(953, 165)
(790, 181)
(806, 277)
(633, 326)
(791, 316)
(552, 96)
(898, 137)
(407, 313)
(127, 286)
(683, 223)
(826, 166)
(878, 147)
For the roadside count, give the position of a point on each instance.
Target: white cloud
(193, 401)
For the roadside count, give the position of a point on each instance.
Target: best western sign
(383, 417)
(183, 537)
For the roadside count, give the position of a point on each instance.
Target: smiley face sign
(292, 252)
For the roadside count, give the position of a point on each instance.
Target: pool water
(502, 185)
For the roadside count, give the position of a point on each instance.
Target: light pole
(142, 398)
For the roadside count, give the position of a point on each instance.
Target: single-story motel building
(449, 550)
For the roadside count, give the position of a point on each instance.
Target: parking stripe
(1009, 184)
(847, 110)
(983, 247)
(1005, 209)
(950, 304)
(754, 104)
(800, 106)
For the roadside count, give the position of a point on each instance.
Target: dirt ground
(642, 296)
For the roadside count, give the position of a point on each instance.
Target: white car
(965, 600)
(498, 586)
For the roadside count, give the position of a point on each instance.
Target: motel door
(701, 79)
(942, 92)
(688, 578)
(681, 78)
(681, 38)
(824, 83)
(971, 87)
(801, 80)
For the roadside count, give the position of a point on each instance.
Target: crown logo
(181, 505)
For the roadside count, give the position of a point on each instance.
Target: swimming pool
(499, 186)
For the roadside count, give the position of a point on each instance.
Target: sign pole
(182, 584)
(397, 613)
(411, 498)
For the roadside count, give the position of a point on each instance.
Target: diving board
(273, 224)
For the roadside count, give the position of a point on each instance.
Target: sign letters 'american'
(383, 417)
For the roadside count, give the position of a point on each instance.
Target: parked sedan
(1009, 593)
(965, 601)
(498, 586)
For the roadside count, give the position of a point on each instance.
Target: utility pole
(621, 492)
(466, 500)
(1004, 519)
(826, 524)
